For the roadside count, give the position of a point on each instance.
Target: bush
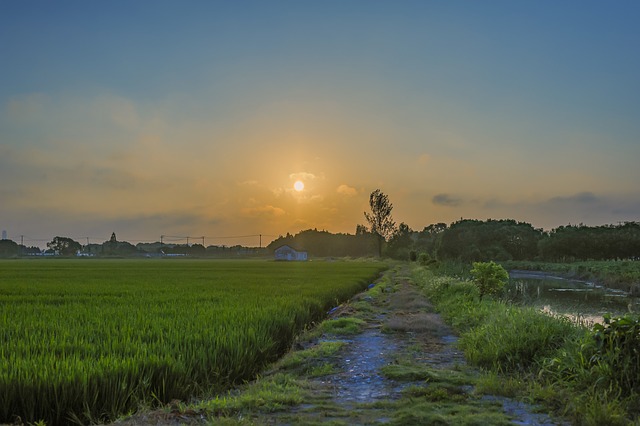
(489, 277)
(616, 352)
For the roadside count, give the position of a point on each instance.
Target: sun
(298, 186)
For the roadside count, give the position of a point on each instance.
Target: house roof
(289, 247)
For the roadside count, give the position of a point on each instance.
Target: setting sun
(298, 186)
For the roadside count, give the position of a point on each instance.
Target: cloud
(347, 190)
(261, 211)
(579, 198)
(303, 176)
(446, 200)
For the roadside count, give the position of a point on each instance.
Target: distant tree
(401, 243)
(471, 240)
(324, 244)
(9, 248)
(430, 239)
(380, 220)
(64, 246)
(113, 238)
(361, 230)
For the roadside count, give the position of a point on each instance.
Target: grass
(269, 395)
(342, 326)
(88, 340)
(430, 395)
(302, 361)
(540, 358)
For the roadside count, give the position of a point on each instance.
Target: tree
(361, 230)
(401, 243)
(380, 220)
(64, 246)
(9, 248)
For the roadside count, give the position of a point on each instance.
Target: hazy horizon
(197, 118)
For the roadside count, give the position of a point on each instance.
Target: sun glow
(298, 186)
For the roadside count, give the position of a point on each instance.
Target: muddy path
(386, 357)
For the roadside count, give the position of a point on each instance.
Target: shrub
(489, 277)
(616, 352)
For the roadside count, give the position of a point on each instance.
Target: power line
(164, 239)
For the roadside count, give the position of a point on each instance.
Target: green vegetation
(343, 326)
(616, 343)
(590, 376)
(489, 277)
(89, 339)
(420, 392)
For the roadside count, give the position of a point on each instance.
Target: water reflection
(581, 301)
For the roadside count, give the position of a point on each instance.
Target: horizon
(264, 240)
(226, 119)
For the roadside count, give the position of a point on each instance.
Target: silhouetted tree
(473, 240)
(64, 246)
(9, 248)
(380, 220)
(361, 229)
(401, 242)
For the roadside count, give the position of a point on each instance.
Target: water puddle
(361, 382)
(522, 413)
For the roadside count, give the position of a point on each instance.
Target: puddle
(360, 381)
(522, 413)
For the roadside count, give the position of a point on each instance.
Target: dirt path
(399, 366)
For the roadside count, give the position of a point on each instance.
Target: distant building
(4, 235)
(286, 252)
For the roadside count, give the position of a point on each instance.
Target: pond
(581, 301)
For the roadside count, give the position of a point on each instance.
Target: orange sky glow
(453, 110)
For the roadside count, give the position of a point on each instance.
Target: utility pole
(161, 240)
(22, 240)
(187, 241)
(260, 240)
(203, 243)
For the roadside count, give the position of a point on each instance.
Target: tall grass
(589, 375)
(495, 334)
(90, 340)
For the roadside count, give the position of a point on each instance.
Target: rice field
(88, 340)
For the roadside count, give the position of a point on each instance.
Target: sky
(196, 118)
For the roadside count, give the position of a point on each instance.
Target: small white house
(286, 252)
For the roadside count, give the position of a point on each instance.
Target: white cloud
(303, 176)
(347, 190)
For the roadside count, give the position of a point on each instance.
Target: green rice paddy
(89, 340)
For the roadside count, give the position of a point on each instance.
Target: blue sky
(196, 118)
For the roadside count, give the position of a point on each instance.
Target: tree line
(65, 246)
(470, 240)
(467, 240)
